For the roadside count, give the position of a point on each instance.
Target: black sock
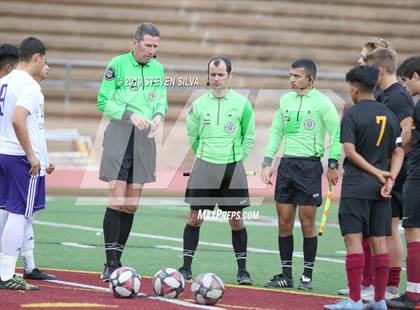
(286, 254)
(309, 253)
(111, 226)
(126, 221)
(239, 242)
(191, 236)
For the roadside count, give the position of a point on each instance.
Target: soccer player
(133, 97)
(373, 157)
(23, 157)
(221, 131)
(303, 117)
(409, 72)
(368, 290)
(9, 56)
(396, 98)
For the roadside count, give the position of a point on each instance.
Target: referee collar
(309, 93)
(135, 63)
(228, 95)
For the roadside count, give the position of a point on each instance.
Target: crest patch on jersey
(153, 95)
(230, 127)
(309, 124)
(110, 74)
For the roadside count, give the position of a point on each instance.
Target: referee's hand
(266, 174)
(138, 121)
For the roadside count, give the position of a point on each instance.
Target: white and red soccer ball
(168, 283)
(207, 289)
(125, 282)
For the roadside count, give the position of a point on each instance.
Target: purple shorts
(3, 194)
(25, 194)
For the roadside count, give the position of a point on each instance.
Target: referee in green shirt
(221, 131)
(133, 97)
(301, 121)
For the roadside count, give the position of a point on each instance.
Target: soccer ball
(168, 283)
(207, 289)
(125, 282)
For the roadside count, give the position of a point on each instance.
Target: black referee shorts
(224, 185)
(128, 155)
(299, 181)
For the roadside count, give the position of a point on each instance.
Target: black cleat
(37, 274)
(305, 283)
(244, 278)
(108, 270)
(186, 273)
(402, 302)
(17, 283)
(279, 280)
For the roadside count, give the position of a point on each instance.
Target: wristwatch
(333, 164)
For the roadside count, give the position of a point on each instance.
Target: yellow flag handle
(327, 205)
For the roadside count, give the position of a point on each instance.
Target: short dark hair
(29, 47)
(217, 59)
(307, 64)
(408, 67)
(146, 28)
(363, 77)
(9, 54)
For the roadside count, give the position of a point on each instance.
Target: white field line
(104, 289)
(78, 245)
(179, 240)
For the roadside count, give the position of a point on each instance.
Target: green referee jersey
(221, 130)
(130, 87)
(301, 123)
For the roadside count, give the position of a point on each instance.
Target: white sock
(3, 219)
(28, 248)
(11, 244)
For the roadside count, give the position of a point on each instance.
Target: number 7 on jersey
(381, 120)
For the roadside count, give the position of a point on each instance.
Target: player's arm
(21, 130)
(193, 127)
(247, 129)
(332, 124)
(274, 141)
(406, 133)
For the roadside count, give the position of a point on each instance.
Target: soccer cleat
(392, 292)
(108, 270)
(345, 304)
(279, 280)
(305, 283)
(37, 274)
(17, 283)
(186, 273)
(402, 302)
(376, 305)
(244, 278)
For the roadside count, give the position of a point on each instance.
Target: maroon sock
(381, 264)
(394, 276)
(354, 268)
(413, 270)
(368, 270)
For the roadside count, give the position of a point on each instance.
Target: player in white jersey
(23, 153)
(9, 56)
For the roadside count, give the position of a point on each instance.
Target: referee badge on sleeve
(110, 74)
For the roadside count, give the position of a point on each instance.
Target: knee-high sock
(394, 276)
(28, 248)
(191, 237)
(3, 219)
(381, 265)
(368, 270)
(413, 271)
(111, 226)
(286, 254)
(239, 242)
(310, 246)
(126, 225)
(354, 269)
(12, 243)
